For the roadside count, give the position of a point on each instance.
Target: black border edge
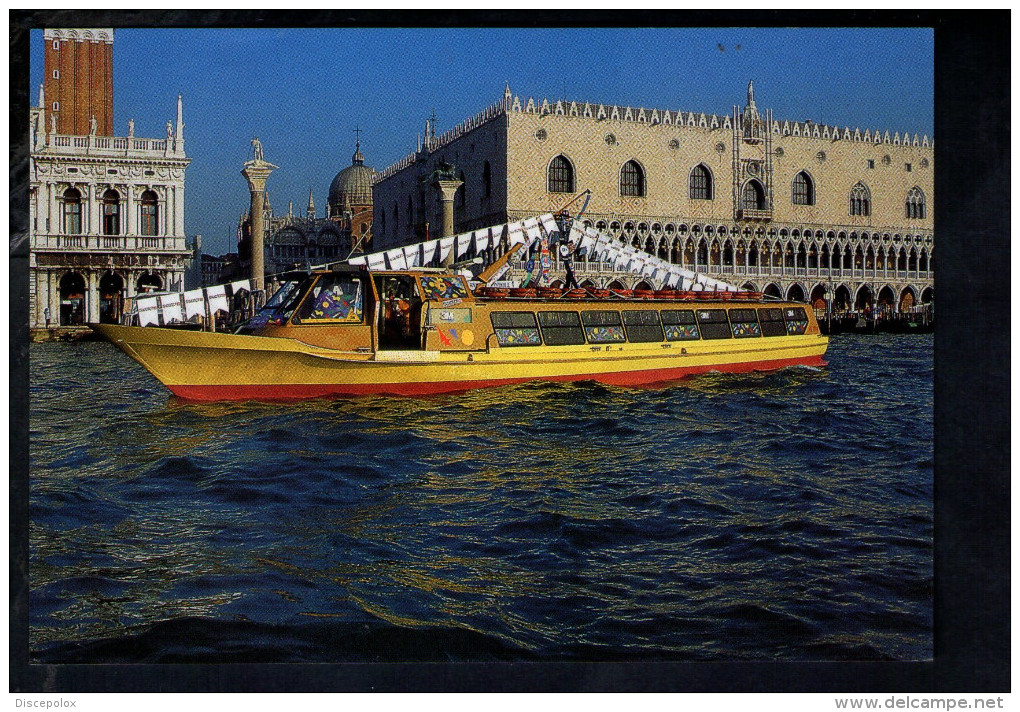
(972, 544)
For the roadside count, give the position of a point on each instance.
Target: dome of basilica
(352, 186)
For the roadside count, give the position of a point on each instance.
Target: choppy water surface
(786, 515)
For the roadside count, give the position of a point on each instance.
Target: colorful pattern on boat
(604, 334)
(750, 328)
(682, 332)
(342, 303)
(436, 287)
(518, 337)
(798, 326)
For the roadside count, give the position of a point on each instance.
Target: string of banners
(182, 306)
(591, 243)
(433, 253)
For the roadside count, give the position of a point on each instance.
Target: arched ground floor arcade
(74, 290)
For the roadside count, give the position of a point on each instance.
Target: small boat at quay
(351, 330)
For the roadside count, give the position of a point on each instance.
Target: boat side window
(714, 324)
(772, 323)
(796, 320)
(516, 329)
(603, 327)
(561, 328)
(643, 326)
(440, 287)
(335, 299)
(680, 325)
(744, 323)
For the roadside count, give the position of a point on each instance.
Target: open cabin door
(398, 312)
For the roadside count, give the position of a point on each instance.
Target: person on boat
(566, 253)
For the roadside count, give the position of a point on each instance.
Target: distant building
(292, 240)
(106, 214)
(794, 209)
(219, 269)
(350, 200)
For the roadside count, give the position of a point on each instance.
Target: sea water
(779, 516)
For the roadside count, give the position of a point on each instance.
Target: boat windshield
(281, 305)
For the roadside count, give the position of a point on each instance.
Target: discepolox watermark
(60, 703)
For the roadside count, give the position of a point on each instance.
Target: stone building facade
(106, 213)
(794, 209)
(299, 240)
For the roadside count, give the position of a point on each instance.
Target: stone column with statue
(256, 171)
(446, 183)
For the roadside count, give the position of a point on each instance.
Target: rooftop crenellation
(512, 103)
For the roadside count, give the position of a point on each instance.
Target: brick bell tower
(78, 80)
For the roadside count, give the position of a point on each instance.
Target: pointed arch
(486, 180)
(803, 189)
(560, 175)
(860, 200)
(752, 196)
(701, 183)
(915, 206)
(632, 180)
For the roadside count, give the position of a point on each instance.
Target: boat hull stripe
(323, 390)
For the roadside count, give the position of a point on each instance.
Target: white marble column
(51, 209)
(92, 228)
(91, 296)
(129, 210)
(164, 214)
(179, 211)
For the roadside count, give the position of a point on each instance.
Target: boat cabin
(353, 309)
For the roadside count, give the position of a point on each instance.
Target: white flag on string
(397, 259)
(649, 270)
(171, 306)
(686, 284)
(194, 303)
(429, 252)
(376, 260)
(482, 240)
(516, 234)
(357, 261)
(533, 233)
(445, 247)
(549, 223)
(148, 311)
(242, 285)
(672, 279)
(217, 299)
(463, 244)
(412, 256)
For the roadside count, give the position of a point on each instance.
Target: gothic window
(111, 213)
(461, 194)
(150, 214)
(486, 180)
(396, 218)
(803, 189)
(701, 183)
(860, 200)
(410, 215)
(382, 221)
(561, 175)
(752, 197)
(915, 203)
(632, 180)
(72, 212)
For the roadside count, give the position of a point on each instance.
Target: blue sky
(303, 91)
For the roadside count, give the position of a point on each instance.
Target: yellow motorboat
(349, 331)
